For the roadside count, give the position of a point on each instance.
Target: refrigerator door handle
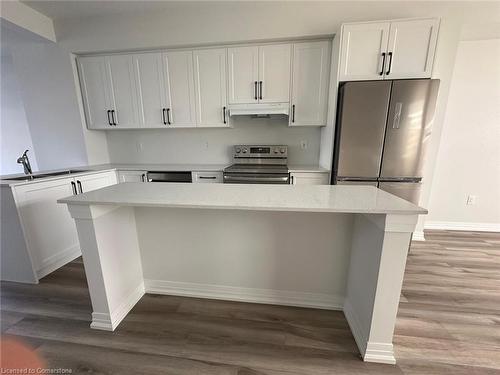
(397, 115)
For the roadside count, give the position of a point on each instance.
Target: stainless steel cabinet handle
(293, 113)
(163, 115)
(80, 186)
(260, 84)
(207, 177)
(224, 114)
(255, 90)
(390, 63)
(383, 64)
(143, 177)
(73, 186)
(292, 180)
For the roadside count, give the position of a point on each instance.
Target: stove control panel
(260, 151)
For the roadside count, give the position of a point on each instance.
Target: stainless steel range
(258, 164)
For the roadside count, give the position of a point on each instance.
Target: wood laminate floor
(448, 323)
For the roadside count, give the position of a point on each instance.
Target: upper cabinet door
(411, 48)
(363, 48)
(243, 74)
(180, 111)
(151, 89)
(310, 82)
(124, 91)
(210, 87)
(274, 73)
(95, 88)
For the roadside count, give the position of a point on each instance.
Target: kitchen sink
(45, 175)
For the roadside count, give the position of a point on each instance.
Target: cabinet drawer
(207, 177)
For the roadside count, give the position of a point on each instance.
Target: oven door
(256, 178)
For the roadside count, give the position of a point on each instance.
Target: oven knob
(276, 151)
(282, 150)
(238, 150)
(245, 150)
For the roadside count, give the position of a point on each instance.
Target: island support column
(378, 258)
(112, 260)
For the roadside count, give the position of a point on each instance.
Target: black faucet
(25, 161)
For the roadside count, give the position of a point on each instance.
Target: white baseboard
(253, 295)
(58, 260)
(418, 236)
(455, 225)
(370, 351)
(108, 322)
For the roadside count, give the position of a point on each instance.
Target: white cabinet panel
(243, 64)
(310, 82)
(274, 73)
(95, 181)
(412, 44)
(95, 88)
(152, 92)
(362, 47)
(210, 87)
(124, 91)
(206, 177)
(309, 178)
(180, 88)
(131, 176)
(48, 227)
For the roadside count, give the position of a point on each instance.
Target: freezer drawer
(409, 123)
(361, 127)
(409, 191)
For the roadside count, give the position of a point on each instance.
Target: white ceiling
(83, 9)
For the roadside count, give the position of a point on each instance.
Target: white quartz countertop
(299, 198)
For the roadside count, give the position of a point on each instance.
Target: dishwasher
(170, 176)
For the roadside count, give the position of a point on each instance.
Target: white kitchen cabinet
(210, 87)
(152, 90)
(181, 110)
(309, 178)
(259, 74)
(362, 46)
(123, 91)
(243, 64)
(412, 45)
(274, 73)
(95, 181)
(95, 86)
(207, 177)
(388, 50)
(49, 230)
(310, 83)
(132, 176)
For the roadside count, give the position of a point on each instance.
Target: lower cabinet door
(49, 230)
(132, 176)
(95, 181)
(309, 178)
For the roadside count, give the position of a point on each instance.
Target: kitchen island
(332, 247)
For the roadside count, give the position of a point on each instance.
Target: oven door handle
(255, 178)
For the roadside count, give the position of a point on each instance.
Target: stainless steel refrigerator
(382, 131)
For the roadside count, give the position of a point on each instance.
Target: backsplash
(212, 146)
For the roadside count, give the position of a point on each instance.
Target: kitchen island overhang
(332, 247)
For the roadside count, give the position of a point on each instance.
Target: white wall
(211, 145)
(15, 136)
(468, 162)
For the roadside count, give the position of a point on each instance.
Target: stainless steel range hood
(259, 109)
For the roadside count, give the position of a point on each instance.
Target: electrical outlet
(471, 200)
(303, 145)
